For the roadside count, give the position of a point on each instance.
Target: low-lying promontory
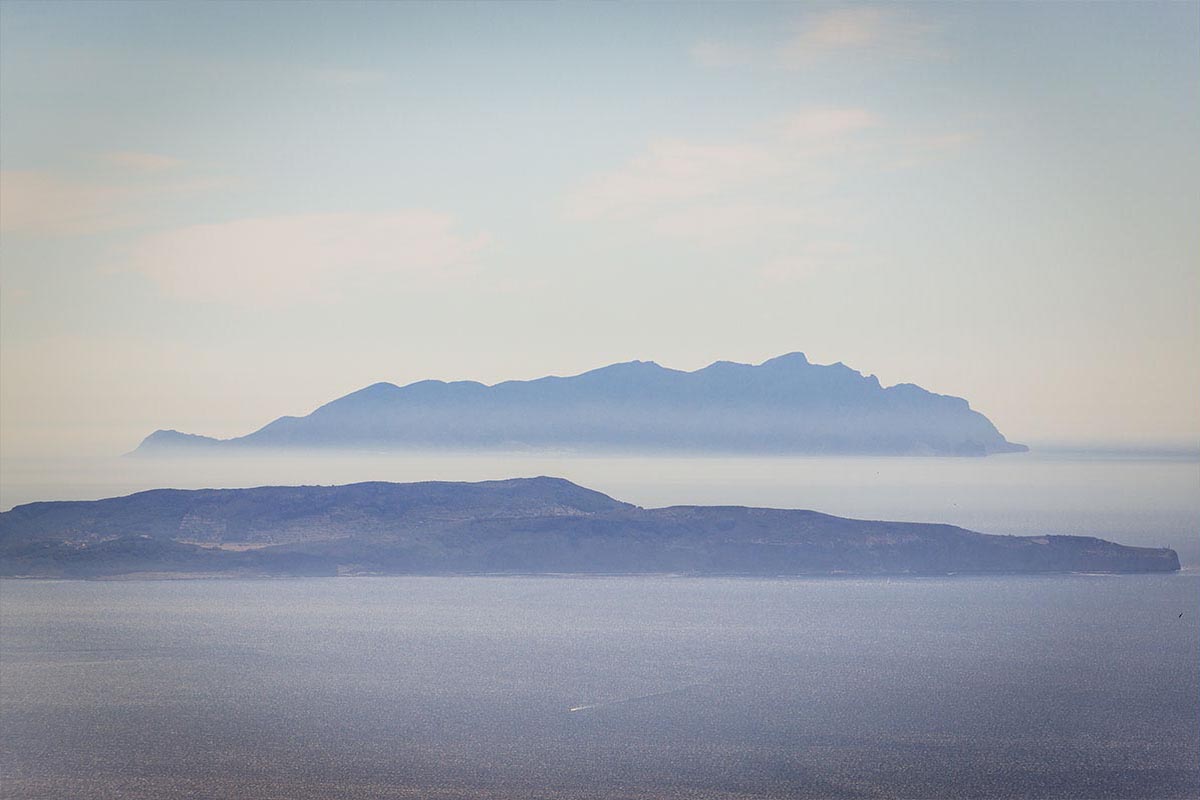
(524, 525)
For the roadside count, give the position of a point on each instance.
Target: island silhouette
(786, 405)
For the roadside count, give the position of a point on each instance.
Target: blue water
(1069, 686)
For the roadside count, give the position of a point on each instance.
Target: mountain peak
(635, 364)
(796, 359)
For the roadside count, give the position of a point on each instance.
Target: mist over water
(1148, 500)
(1054, 687)
(785, 227)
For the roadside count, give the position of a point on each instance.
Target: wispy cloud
(40, 204)
(667, 185)
(882, 30)
(887, 31)
(282, 260)
(128, 192)
(821, 126)
(782, 188)
(670, 170)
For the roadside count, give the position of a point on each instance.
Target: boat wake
(636, 698)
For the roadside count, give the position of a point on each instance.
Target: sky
(215, 214)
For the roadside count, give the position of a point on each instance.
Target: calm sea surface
(1070, 686)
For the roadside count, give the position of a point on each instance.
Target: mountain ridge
(783, 405)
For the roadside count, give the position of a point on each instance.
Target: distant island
(527, 526)
(783, 406)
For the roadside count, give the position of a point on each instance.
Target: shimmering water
(1070, 686)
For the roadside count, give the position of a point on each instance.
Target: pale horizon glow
(213, 215)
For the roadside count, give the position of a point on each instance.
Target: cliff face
(537, 525)
(785, 405)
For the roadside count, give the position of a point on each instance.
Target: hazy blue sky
(214, 214)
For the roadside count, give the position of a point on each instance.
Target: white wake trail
(635, 698)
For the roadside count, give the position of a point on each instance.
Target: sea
(1067, 686)
(1079, 686)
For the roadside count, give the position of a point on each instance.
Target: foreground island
(525, 525)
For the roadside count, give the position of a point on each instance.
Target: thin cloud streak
(43, 204)
(678, 170)
(305, 258)
(715, 193)
(821, 125)
(883, 31)
(670, 170)
(39, 204)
